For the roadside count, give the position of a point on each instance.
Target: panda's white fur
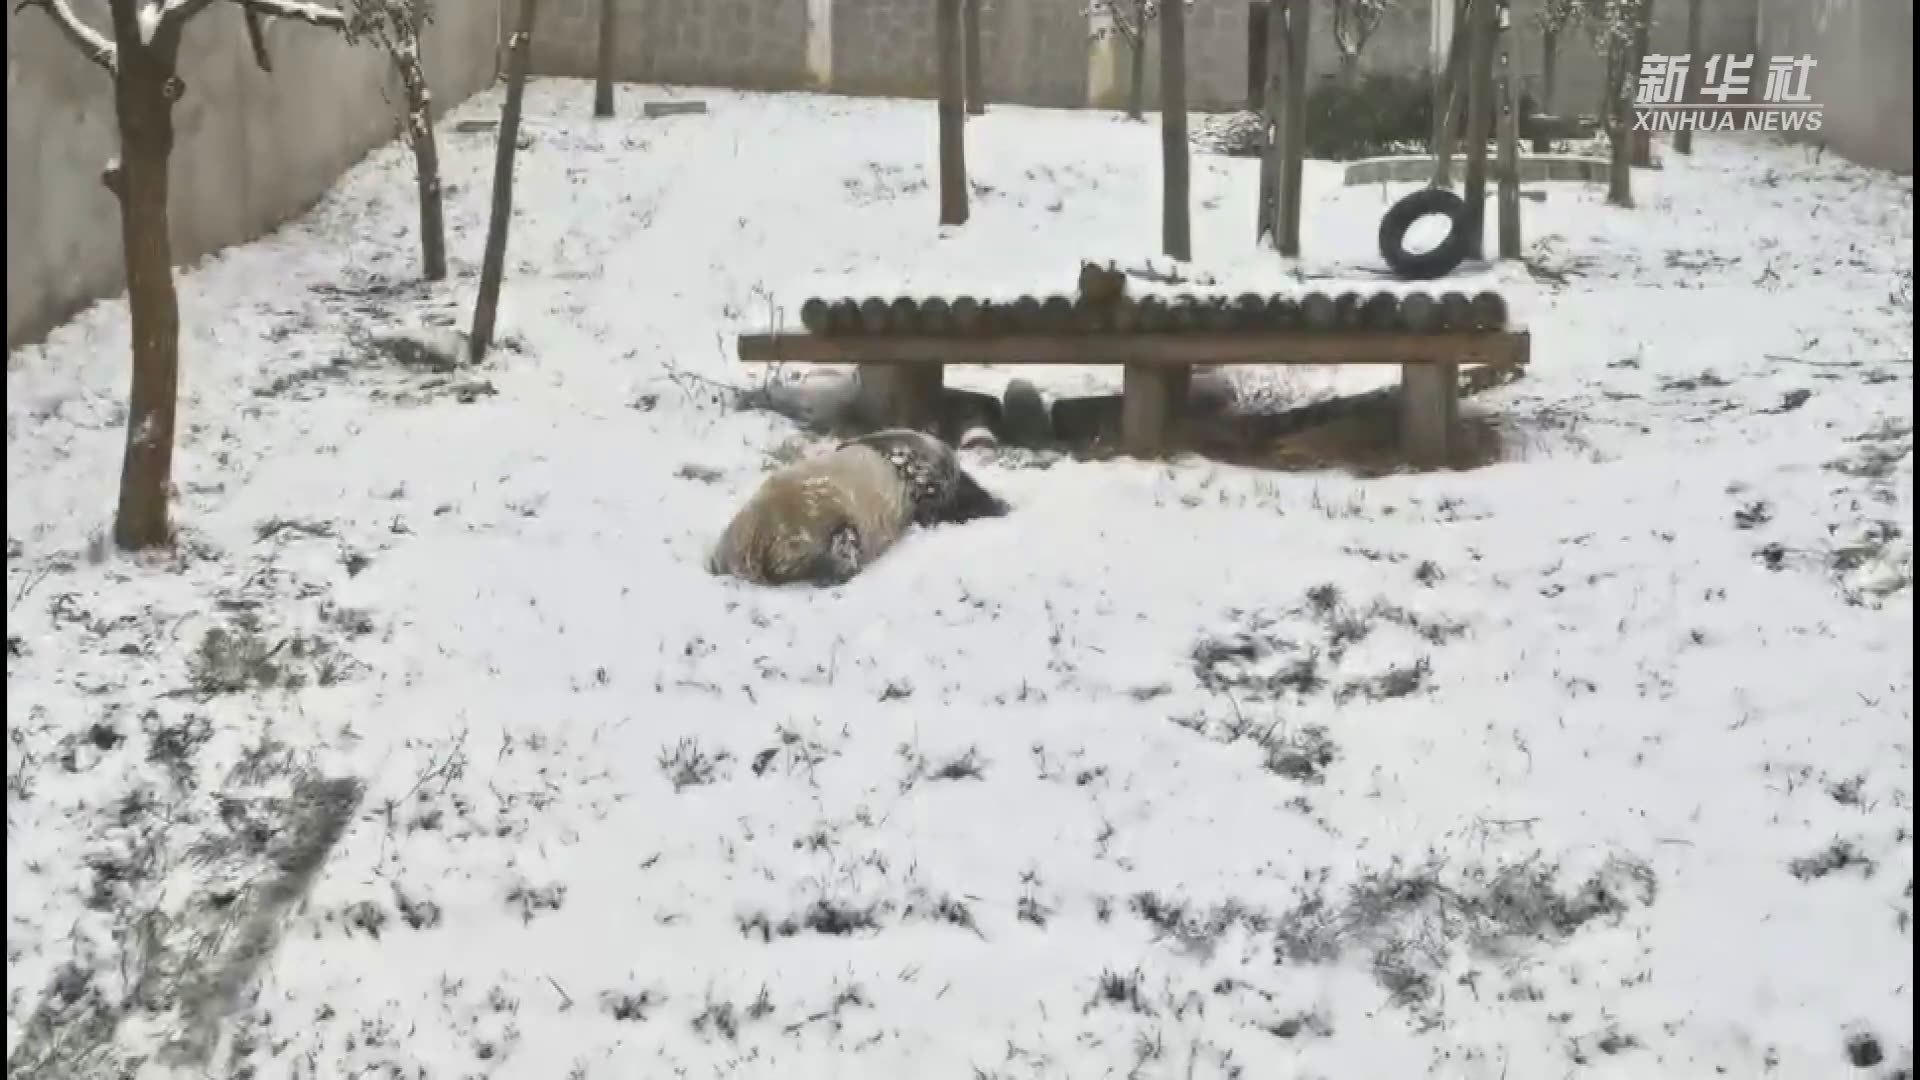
(826, 518)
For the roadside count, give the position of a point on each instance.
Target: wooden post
(1176, 213)
(953, 112)
(1149, 408)
(1292, 163)
(1683, 139)
(1429, 408)
(976, 85)
(1480, 29)
(1508, 170)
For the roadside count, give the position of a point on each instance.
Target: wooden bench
(902, 347)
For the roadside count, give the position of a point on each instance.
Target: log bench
(903, 345)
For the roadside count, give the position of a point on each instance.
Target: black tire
(1445, 256)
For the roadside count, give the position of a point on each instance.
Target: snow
(981, 812)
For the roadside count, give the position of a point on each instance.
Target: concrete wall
(1863, 73)
(253, 148)
(1033, 51)
(744, 44)
(1038, 52)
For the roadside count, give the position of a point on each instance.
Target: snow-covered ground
(1593, 762)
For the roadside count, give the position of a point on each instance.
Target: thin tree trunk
(494, 261)
(1176, 230)
(1683, 139)
(1620, 164)
(145, 119)
(1481, 26)
(1349, 71)
(603, 69)
(1609, 87)
(953, 113)
(426, 153)
(976, 63)
(1272, 106)
(1137, 77)
(1549, 69)
(1451, 98)
(1640, 143)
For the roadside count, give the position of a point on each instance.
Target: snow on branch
(1354, 23)
(1127, 19)
(315, 14)
(89, 41)
(175, 12)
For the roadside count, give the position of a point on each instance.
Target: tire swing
(1446, 255)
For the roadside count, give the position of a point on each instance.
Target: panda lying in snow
(825, 519)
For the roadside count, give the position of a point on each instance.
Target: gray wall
(1037, 51)
(1863, 73)
(253, 148)
(744, 44)
(1034, 52)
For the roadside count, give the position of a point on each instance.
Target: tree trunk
(1257, 15)
(1273, 44)
(953, 113)
(1176, 228)
(1450, 98)
(976, 63)
(1349, 71)
(1620, 164)
(1549, 68)
(1609, 87)
(145, 118)
(603, 68)
(1137, 78)
(1482, 25)
(494, 261)
(1640, 143)
(1683, 139)
(426, 154)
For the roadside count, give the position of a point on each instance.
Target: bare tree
(953, 113)
(603, 69)
(1354, 24)
(394, 27)
(493, 262)
(1618, 30)
(1128, 20)
(1553, 20)
(142, 57)
(1176, 239)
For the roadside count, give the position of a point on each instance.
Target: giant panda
(824, 519)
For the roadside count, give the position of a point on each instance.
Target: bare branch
(93, 44)
(257, 37)
(176, 12)
(313, 14)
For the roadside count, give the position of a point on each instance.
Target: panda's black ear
(971, 501)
